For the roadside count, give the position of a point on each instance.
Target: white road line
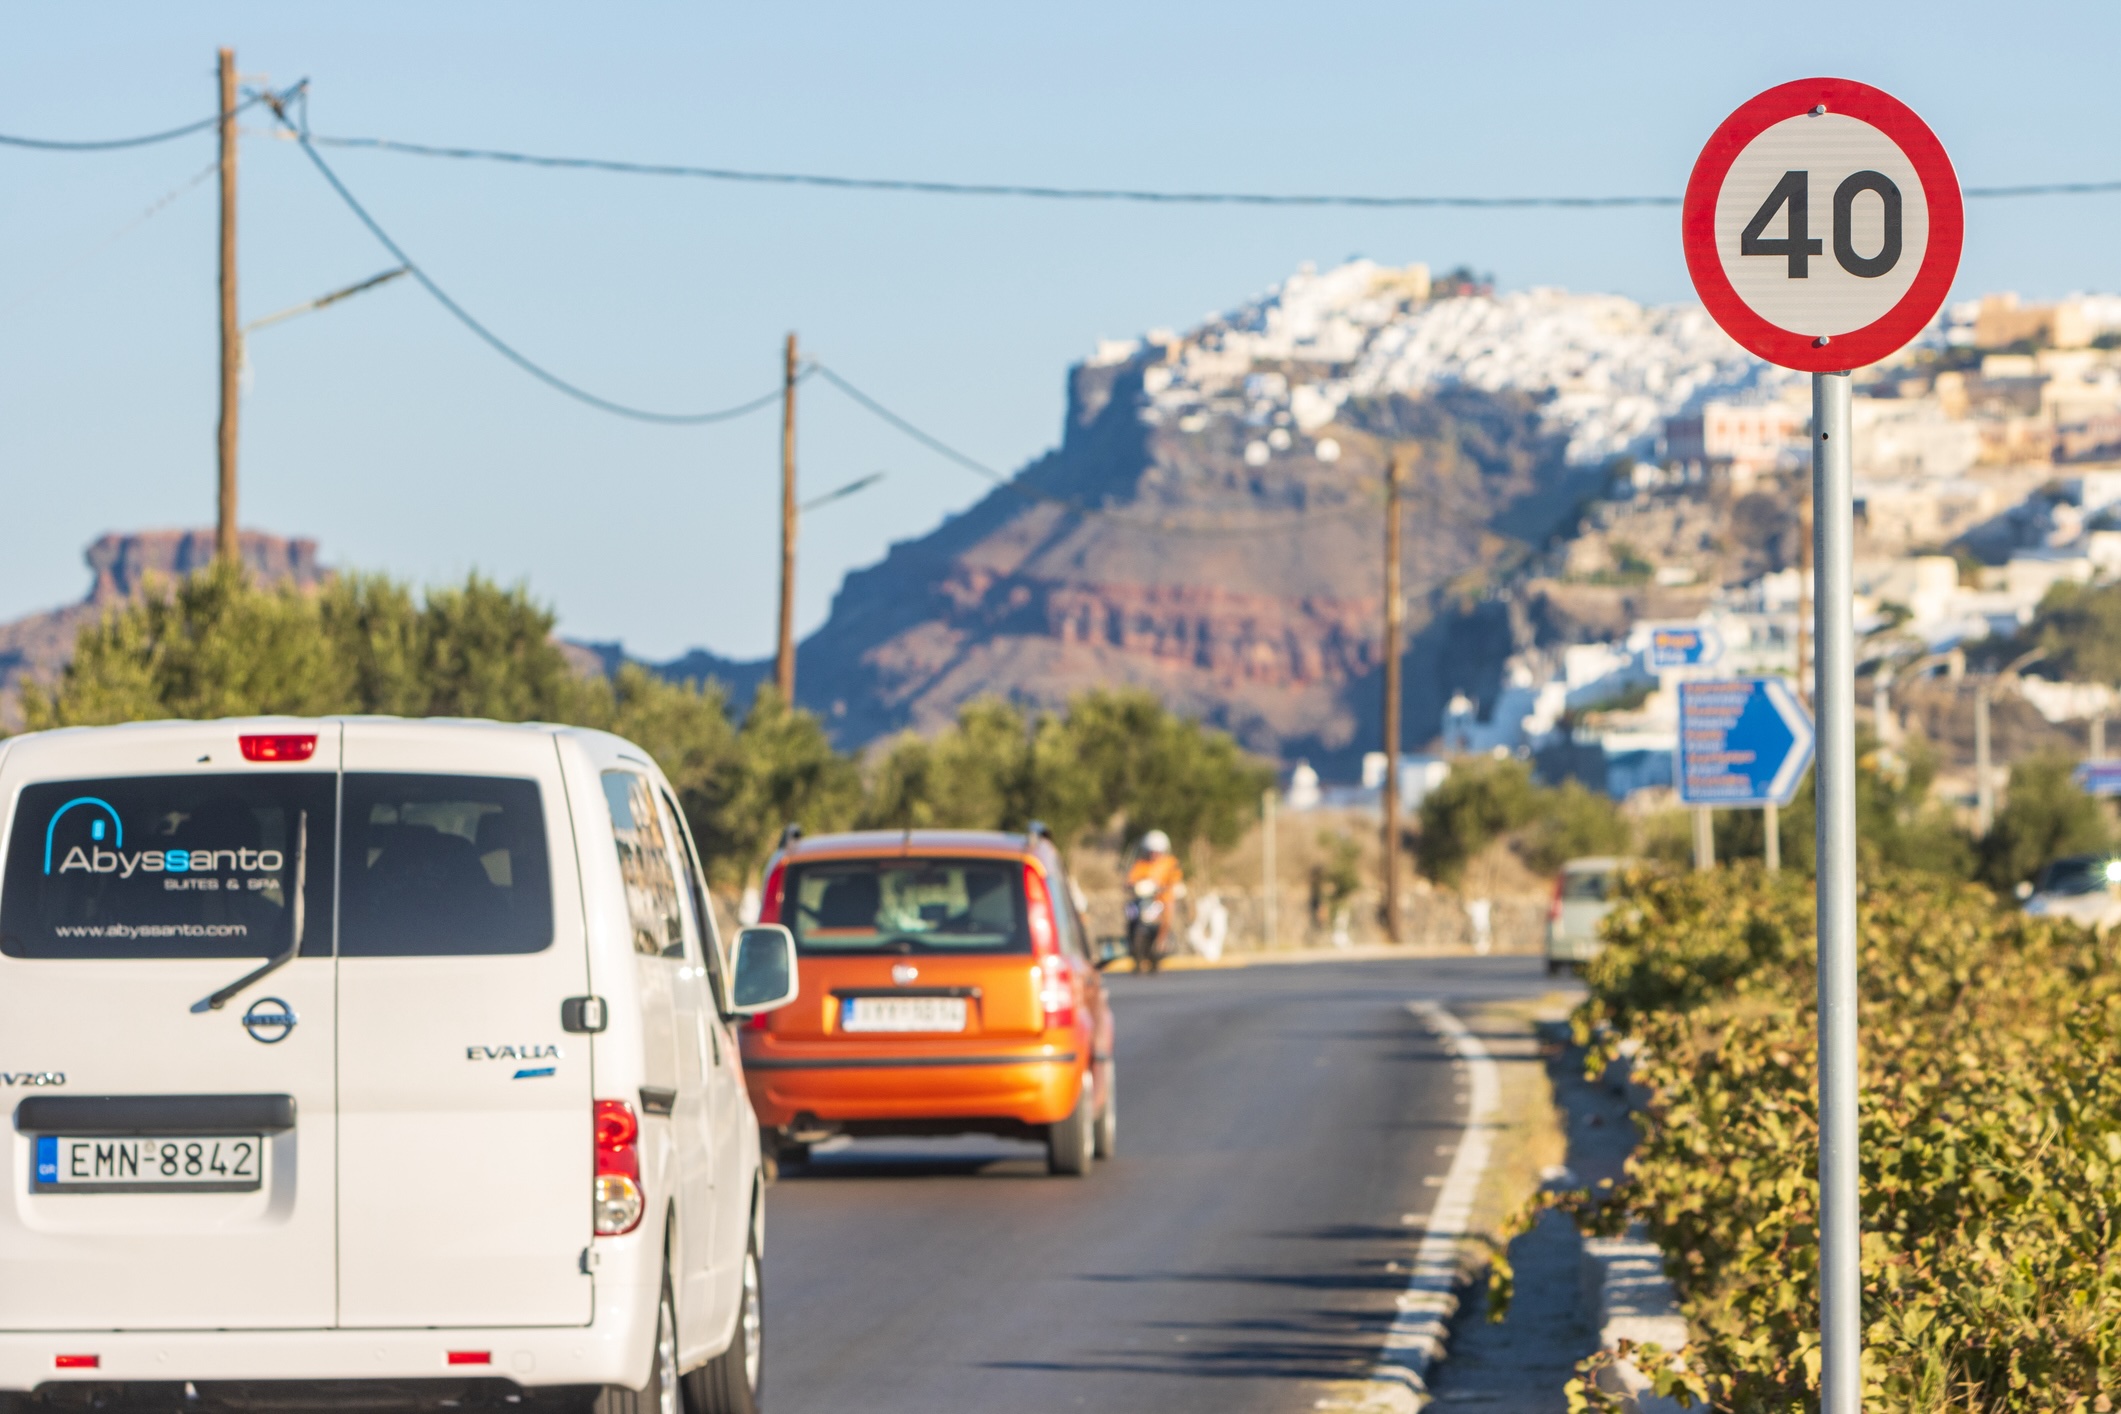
(1416, 1340)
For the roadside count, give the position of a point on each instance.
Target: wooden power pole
(227, 549)
(784, 655)
(1395, 616)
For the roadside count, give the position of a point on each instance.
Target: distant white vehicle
(372, 1063)
(1583, 896)
(2084, 888)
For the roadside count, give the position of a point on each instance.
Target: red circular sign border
(1940, 262)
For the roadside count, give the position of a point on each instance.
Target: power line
(154, 209)
(493, 340)
(113, 144)
(1015, 486)
(1127, 194)
(928, 188)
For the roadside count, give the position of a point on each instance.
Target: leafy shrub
(1572, 822)
(2045, 815)
(218, 645)
(1335, 878)
(1990, 1133)
(1481, 799)
(1112, 756)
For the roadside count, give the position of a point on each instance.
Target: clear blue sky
(384, 430)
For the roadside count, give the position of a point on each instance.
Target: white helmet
(1156, 842)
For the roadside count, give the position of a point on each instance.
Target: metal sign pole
(1833, 636)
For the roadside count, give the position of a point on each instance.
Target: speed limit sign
(1822, 229)
(1823, 224)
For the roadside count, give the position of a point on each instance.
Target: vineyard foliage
(1991, 1137)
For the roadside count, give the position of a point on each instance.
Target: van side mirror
(765, 970)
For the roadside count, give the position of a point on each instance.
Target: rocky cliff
(1211, 525)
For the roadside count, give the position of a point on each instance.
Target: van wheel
(1072, 1142)
(1108, 1116)
(660, 1395)
(729, 1383)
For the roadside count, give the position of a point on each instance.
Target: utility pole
(227, 548)
(1984, 783)
(784, 655)
(1395, 616)
(1266, 848)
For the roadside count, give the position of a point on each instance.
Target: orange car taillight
(1056, 982)
(770, 896)
(619, 1201)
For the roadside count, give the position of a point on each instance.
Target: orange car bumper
(1036, 1085)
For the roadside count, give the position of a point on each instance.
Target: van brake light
(619, 1201)
(278, 748)
(1554, 905)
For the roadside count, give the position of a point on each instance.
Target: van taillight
(770, 896)
(618, 1175)
(278, 748)
(1554, 905)
(1056, 982)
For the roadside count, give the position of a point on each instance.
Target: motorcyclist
(1155, 874)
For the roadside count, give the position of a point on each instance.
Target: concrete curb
(1628, 1297)
(1398, 1382)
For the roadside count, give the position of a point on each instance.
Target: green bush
(1990, 1130)
(1112, 756)
(1481, 799)
(1571, 823)
(217, 645)
(2044, 816)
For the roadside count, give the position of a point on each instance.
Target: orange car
(947, 988)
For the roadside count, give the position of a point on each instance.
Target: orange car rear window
(848, 906)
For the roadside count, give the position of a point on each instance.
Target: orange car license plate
(902, 1014)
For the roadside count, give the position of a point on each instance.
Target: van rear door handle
(658, 1102)
(585, 1015)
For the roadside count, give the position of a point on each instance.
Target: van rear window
(907, 906)
(169, 866)
(443, 866)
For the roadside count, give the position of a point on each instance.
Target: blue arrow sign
(1684, 646)
(2098, 777)
(1742, 743)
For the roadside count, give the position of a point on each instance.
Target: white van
(374, 1063)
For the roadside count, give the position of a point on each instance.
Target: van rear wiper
(273, 964)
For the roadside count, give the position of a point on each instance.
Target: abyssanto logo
(104, 851)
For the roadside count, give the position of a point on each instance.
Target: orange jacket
(1161, 870)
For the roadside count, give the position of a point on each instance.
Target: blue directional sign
(1684, 646)
(1742, 743)
(2098, 777)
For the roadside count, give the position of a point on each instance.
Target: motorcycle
(1145, 926)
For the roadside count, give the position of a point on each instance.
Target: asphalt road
(1243, 1249)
